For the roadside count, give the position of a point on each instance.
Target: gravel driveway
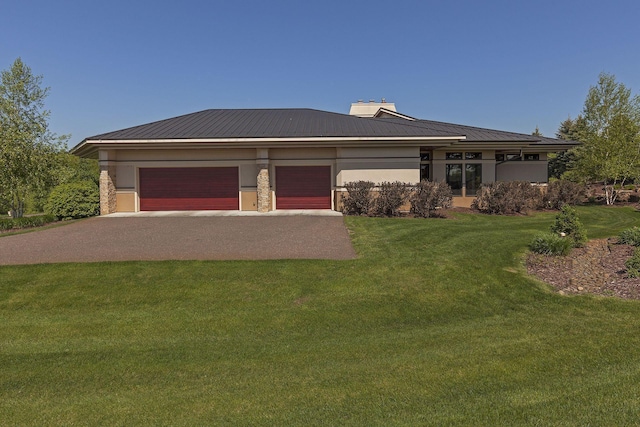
(181, 238)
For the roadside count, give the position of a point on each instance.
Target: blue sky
(510, 65)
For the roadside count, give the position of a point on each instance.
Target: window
(530, 157)
(454, 156)
(454, 178)
(424, 172)
(473, 156)
(425, 164)
(472, 178)
(513, 157)
(499, 157)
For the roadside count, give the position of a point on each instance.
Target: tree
(561, 164)
(610, 152)
(536, 132)
(27, 147)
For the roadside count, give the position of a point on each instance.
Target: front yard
(437, 323)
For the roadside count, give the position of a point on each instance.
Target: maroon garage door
(303, 187)
(163, 189)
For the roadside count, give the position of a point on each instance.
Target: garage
(163, 189)
(303, 187)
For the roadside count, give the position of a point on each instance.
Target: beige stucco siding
(125, 201)
(248, 175)
(378, 164)
(125, 176)
(533, 171)
(319, 154)
(190, 155)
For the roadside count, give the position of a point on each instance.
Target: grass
(436, 323)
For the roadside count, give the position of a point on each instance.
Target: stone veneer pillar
(107, 189)
(264, 188)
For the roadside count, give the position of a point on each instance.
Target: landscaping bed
(596, 268)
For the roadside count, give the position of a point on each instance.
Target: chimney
(369, 109)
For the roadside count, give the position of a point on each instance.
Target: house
(267, 159)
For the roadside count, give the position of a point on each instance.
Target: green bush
(25, 222)
(390, 198)
(74, 200)
(562, 192)
(568, 224)
(633, 264)
(630, 187)
(502, 198)
(359, 199)
(429, 196)
(630, 236)
(551, 244)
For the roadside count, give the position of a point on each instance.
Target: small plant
(568, 224)
(551, 244)
(563, 192)
(429, 196)
(359, 198)
(74, 200)
(633, 264)
(630, 236)
(25, 222)
(391, 196)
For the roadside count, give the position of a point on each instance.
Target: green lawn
(435, 324)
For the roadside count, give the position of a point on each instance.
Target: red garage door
(303, 187)
(165, 189)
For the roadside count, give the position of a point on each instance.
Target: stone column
(264, 183)
(264, 188)
(107, 185)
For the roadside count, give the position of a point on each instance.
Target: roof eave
(88, 146)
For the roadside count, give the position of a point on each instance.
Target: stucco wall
(378, 164)
(533, 171)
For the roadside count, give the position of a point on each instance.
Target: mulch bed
(598, 268)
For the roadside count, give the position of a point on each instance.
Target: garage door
(303, 187)
(163, 189)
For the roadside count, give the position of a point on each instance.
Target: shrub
(567, 223)
(511, 197)
(630, 236)
(391, 196)
(551, 244)
(563, 192)
(429, 196)
(25, 222)
(74, 200)
(360, 198)
(630, 187)
(633, 264)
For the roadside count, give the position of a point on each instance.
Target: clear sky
(509, 64)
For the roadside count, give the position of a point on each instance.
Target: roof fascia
(88, 147)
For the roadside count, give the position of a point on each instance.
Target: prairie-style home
(268, 159)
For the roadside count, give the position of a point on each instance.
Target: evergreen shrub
(74, 200)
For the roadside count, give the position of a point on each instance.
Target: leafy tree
(536, 132)
(66, 169)
(27, 147)
(611, 136)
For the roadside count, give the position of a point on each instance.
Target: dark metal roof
(293, 123)
(271, 123)
(476, 134)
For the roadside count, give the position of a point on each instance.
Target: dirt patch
(597, 268)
